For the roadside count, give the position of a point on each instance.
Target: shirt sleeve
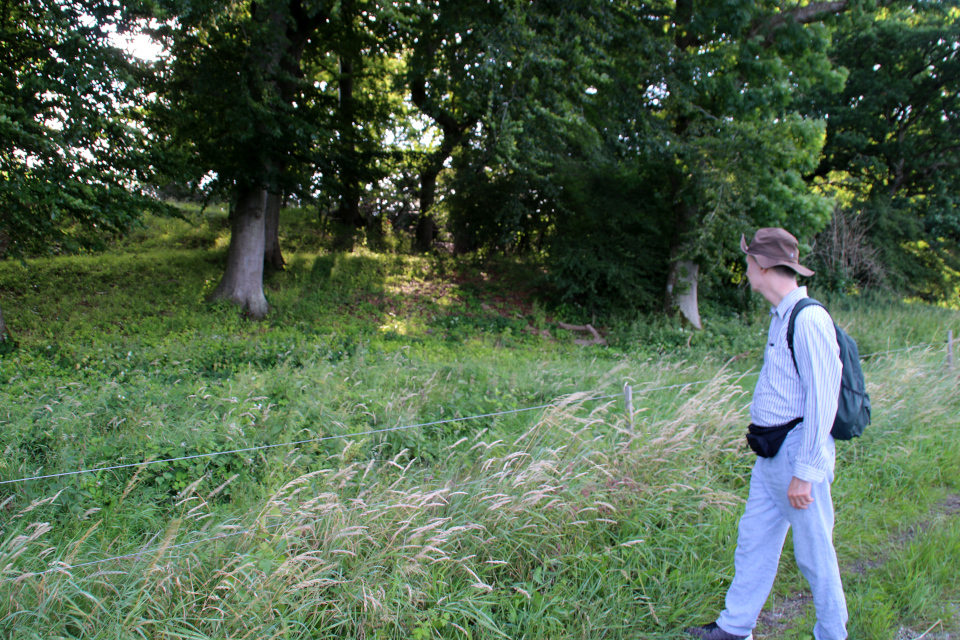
(818, 362)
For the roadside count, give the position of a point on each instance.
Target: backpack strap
(791, 325)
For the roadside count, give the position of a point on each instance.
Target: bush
(610, 247)
(843, 256)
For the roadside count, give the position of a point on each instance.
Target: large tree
(230, 102)
(893, 138)
(633, 140)
(739, 147)
(531, 85)
(72, 150)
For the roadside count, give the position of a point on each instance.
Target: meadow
(410, 447)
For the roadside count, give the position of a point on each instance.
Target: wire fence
(142, 464)
(154, 552)
(64, 567)
(298, 442)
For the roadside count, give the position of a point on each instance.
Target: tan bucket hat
(773, 246)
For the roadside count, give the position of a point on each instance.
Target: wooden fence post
(628, 402)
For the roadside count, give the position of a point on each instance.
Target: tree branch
(801, 15)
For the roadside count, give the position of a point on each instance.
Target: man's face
(754, 274)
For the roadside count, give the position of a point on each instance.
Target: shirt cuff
(809, 473)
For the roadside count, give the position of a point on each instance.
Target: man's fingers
(799, 494)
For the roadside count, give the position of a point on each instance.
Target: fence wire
(298, 442)
(156, 550)
(385, 430)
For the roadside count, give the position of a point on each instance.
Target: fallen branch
(597, 339)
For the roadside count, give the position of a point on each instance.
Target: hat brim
(766, 262)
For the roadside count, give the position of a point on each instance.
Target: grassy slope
(543, 524)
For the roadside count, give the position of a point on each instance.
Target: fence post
(950, 349)
(628, 402)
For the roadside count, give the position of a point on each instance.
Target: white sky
(138, 45)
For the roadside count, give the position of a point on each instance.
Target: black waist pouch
(766, 441)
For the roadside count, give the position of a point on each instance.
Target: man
(791, 488)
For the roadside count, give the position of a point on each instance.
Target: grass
(566, 522)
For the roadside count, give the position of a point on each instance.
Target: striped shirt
(781, 395)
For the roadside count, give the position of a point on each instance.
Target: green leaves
(590, 131)
(72, 147)
(892, 152)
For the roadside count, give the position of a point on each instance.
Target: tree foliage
(893, 140)
(681, 114)
(232, 101)
(626, 144)
(74, 157)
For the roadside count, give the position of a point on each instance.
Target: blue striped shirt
(781, 395)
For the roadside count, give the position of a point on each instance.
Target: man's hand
(799, 494)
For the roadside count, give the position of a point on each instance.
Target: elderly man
(793, 411)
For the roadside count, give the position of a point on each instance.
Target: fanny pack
(766, 441)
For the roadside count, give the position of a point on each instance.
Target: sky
(138, 45)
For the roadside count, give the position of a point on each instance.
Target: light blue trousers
(763, 529)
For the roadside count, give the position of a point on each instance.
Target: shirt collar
(786, 305)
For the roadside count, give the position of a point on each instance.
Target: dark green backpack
(853, 404)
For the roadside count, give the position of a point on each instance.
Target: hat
(775, 246)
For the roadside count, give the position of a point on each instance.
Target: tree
(451, 72)
(739, 146)
(301, 27)
(684, 108)
(893, 138)
(73, 154)
(230, 104)
(529, 85)
(349, 59)
(342, 72)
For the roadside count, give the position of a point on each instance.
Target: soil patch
(936, 633)
(773, 622)
(950, 505)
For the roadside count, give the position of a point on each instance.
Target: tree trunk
(242, 281)
(349, 210)
(426, 225)
(682, 290)
(272, 257)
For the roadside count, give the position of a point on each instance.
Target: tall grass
(577, 526)
(560, 530)
(566, 522)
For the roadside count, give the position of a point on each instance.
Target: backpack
(853, 403)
